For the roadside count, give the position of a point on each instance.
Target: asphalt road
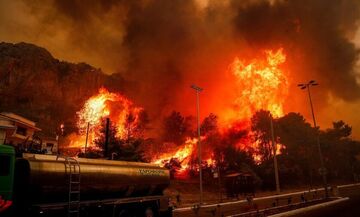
(236, 207)
(348, 208)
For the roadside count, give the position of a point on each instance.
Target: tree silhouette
(128, 149)
(176, 128)
(209, 124)
(260, 126)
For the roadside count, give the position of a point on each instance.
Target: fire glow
(105, 105)
(183, 155)
(260, 84)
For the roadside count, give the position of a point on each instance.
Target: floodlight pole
(323, 169)
(198, 90)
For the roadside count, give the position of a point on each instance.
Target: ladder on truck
(72, 169)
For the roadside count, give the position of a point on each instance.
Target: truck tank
(44, 179)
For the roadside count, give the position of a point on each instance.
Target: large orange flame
(105, 105)
(183, 154)
(260, 84)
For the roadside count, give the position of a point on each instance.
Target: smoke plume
(162, 46)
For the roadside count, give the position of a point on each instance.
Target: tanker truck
(46, 185)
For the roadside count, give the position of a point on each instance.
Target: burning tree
(176, 128)
(128, 123)
(261, 83)
(260, 126)
(236, 139)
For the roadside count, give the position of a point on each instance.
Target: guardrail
(276, 209)
(283, 202)
(309, 208)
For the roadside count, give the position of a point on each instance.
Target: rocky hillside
(38, 86)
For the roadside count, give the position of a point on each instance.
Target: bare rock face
(36, 85)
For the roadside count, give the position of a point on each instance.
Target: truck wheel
(149, 212)
(125, 213)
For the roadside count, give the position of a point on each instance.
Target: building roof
(7, 127)
(18, 119)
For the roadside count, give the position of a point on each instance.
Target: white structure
(5, 128)
(16, 130)
(49, 144)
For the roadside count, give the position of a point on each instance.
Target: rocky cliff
(42, 88)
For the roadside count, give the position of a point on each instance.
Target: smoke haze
(162, 46)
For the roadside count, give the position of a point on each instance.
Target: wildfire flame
(183, 154)
(260, 84)
(105, 105)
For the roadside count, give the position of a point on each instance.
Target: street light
(323, 169)
(198, 90)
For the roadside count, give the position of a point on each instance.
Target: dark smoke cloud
(159, 36)
(162, 46)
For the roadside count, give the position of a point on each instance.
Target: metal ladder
(72, 168)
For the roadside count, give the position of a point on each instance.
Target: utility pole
(198, 90)
(275, 158)
(219, 182)
(87, 136)
(322, 169)
(106, 145)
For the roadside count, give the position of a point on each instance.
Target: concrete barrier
(310, 208)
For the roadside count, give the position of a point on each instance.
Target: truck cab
(7, 164)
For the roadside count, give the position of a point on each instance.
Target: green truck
(49, 185)
(7, 162)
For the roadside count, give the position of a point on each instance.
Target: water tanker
(39, 183)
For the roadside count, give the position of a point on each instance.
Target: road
(348, 208)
